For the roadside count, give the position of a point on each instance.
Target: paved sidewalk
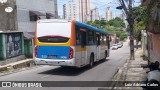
(16, 65)
(131, 71)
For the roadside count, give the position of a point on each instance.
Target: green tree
(117, 22)
(114, 26)
(139, 15)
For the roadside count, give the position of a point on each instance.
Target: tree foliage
(114, 26)
(140, 17)
(117, 22)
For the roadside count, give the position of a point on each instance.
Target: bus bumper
(70, 62)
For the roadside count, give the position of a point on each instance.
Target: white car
(114, 47)
(119, 45)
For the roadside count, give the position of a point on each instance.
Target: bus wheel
(91, 61)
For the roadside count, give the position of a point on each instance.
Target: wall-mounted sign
(8, 9)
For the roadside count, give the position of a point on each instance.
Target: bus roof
(77, 23)
(91, 27)
(53, 21)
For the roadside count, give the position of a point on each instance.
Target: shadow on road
(71, 71)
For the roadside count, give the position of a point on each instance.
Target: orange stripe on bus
(35, 34)
(73, 34)
(79, 48)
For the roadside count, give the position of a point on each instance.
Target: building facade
(8, 20)
(108, 13)
(153, 30)
(78, 10)
(95, 14)
(25, 14)
(84, 10)
(28, 13)
(70, 11)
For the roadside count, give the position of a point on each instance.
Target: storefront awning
(50, 14)
(32, 13)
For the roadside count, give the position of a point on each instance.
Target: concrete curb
(17, 65)
(120, 75)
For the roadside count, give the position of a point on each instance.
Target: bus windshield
(52, 32)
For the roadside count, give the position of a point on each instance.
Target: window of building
(34, 18)
(49, 15)
(35, 15)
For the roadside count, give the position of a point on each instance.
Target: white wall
(23, 8)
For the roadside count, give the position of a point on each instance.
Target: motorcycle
(153, 77)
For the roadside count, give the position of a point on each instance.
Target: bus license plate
(52, 56)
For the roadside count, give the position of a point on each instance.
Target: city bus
(69, 43)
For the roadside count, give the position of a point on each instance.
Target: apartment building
(108, 13)
(95, 14)
(70, 11)
(77, 9)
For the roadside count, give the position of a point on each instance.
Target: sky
(100, 4)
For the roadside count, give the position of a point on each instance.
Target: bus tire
(91, 61)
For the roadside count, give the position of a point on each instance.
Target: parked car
(121, 42)
(114, 47)
(119, 45)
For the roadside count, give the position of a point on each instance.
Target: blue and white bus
(69, 43)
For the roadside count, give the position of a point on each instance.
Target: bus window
(78, 37)
(83, 38)
(94, 38)
(108, 41)
(98, 39)
(53, 39)
(90, 37)
(103, 39)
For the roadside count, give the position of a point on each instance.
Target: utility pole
(130, 18)
(130, 21)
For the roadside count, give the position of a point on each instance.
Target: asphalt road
(102, 71)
